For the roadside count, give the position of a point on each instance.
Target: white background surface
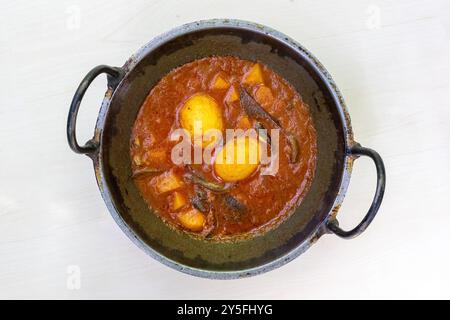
(391, 60)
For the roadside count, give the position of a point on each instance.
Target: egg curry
(230, 194)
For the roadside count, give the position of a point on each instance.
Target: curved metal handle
(333, 225)
(114, 77)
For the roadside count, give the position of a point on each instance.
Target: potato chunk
(177, 201)
(137, 159)
(201, 109)
(244, 123)
(166, 182)
(192, 219)
(232, 95)
(254, 75)
(220, 83)
(155, 156)
(264, 96)
(238, 159)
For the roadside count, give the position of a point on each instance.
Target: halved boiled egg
(199, 114)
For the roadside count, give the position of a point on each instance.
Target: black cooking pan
(129, 85)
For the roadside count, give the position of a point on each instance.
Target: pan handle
(333, 224)
(114, 75)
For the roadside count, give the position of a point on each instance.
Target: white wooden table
(391, 59)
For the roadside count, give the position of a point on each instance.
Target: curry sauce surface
(266, 200)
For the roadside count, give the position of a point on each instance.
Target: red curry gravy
(251, 205)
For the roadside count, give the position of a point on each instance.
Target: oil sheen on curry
(225, 187)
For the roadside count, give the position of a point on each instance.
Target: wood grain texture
(390, 60)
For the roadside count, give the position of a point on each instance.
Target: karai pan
(223, 149)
